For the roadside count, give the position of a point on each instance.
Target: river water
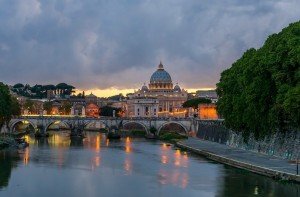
(95, 166)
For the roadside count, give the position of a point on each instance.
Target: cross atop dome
(160, 66)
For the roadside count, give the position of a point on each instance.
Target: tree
(108, 111)
(18, 85)
(260, 92)
(29, 105)
(9, 105)
(117, 97)
(195, 102)
(15, 107)
(47, 106)
(65, 107)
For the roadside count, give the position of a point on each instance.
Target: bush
(172, 137)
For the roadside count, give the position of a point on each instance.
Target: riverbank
(270, 166)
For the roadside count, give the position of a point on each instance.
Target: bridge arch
(175, 123)
(136, 122)
(96, 121)
(55, 121)
(12, 126)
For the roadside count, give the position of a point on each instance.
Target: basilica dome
(160, 80)
(160, 75)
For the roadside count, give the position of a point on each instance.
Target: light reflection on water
(94, 166)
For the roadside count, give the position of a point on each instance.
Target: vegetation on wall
(260, 93)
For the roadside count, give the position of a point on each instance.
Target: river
(95, 166)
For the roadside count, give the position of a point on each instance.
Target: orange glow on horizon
(114, 91)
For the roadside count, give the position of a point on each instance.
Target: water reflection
(8, 161)
(238, 182)
(94, 166)
(75, 142)
(128, 148)
(174, 174)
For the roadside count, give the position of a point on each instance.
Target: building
(209, 94)
(169, 98)
(55, 109)
(208, 111)
(143, 107)
(91, 98)
(92, 110)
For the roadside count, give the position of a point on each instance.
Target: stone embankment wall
(284, 145)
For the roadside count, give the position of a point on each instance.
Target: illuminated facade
(92, 110)
(208, 111)
(170, 98)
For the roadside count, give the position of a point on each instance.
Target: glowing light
(97, 161)
(128, 148)
(57, 122)
(25, 122)
(26, 156)
(98, 143)
(164, 159)
(127, 165)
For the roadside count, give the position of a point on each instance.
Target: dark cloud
(102, 44)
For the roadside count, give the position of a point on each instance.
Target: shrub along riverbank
(171, 137)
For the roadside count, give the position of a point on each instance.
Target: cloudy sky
(115, 45)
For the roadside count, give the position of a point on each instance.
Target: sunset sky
(111, 47)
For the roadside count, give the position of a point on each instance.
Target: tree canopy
(9, 105)
(108, 111)
(195, 102)
(40, 91)
(260, 93)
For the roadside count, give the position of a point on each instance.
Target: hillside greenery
(40, 91)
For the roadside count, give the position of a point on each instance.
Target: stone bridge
(189, 125)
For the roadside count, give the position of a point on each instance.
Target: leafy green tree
(153, 130)
(9, 105)
(108, 111)
(195, 102)
(47, 106)
(260, 92)
(18, 85)
(29, 105)
(15, 107)
(117, 97)
(65, 107)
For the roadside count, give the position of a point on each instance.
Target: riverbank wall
(260, 167)
(283, 145)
